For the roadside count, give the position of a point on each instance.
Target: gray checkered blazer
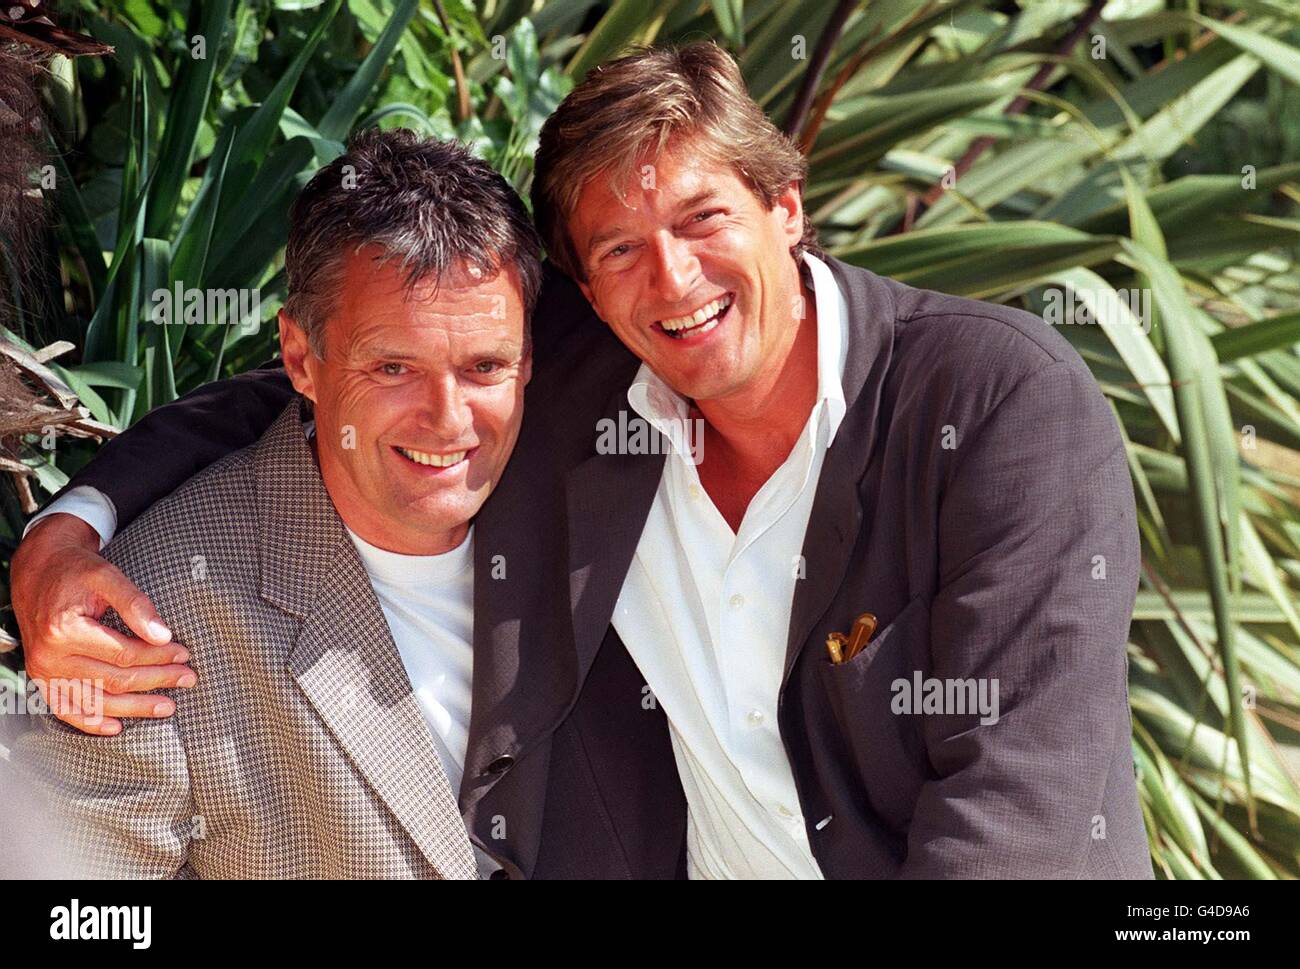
(301, 753)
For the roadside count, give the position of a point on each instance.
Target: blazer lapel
(608, 501)
(347, 665)
(836, 516)
(345, 660)
(538, 624)
(524, 667)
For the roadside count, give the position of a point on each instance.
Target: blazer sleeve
(1039, 560)
(174, 442)
(119, 807)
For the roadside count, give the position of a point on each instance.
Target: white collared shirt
(705, 613)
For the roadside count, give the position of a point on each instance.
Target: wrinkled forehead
(374, 272)
(379, 293)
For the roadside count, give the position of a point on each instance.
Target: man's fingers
(116, 680)
(97, 725)
(132, 605)
(110, 646)
(78, 702)
(89, 674)
(142, 706)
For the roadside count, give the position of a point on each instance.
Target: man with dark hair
(716, 501)
(323, 577)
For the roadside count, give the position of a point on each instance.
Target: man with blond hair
(869, 615)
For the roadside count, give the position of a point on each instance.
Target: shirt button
(755, 717)
(784, 811)
(737, 601)
(694, 492)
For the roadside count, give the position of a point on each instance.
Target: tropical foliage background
(1009, 151)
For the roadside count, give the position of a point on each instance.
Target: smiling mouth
(706, 318)
(434, 462)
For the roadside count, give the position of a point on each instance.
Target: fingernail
(112, 728)
(182, 656)
(162, 710)
(158, 630)
(188, 679)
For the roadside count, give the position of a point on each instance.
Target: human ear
(295, 349)
(788, 208)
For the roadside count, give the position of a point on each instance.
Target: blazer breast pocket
(887, 748)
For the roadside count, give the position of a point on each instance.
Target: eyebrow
(699, 198)
(606, 235)
(508, 350)
(378, 351)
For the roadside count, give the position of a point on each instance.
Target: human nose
(447, 412)
(676, 268)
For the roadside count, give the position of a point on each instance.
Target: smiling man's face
(418, 400)
(692, 272)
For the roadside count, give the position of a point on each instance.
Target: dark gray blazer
(977, 500)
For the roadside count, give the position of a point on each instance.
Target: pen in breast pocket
(843, 648)
(863, 627)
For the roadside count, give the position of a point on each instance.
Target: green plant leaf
(185, 113)
(349, 102)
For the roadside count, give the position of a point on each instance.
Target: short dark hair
(430, 204)
(637, 104)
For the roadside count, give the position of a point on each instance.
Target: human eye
(493, 370)
(391, 369)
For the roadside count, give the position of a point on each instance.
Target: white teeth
(699, 316)
(434, 460)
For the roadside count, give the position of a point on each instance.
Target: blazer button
(499, 875)
(501, 765)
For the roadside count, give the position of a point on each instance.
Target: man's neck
(372, 528)
(748, 436)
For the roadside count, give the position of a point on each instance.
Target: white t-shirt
(428, 601)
